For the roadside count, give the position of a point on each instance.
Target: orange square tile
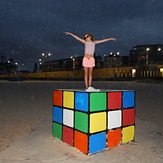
(57, 98)
(81, 141)
(114, 138)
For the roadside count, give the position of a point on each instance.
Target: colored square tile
(114, 100)
(81, 101)
(57, 114)
(97, 122)
(67, 136)
(68, 117)
(81, 141)
(128, 134)
(114, 119)
(57, 98)
(81, 121)
(128, 99)
(57, 130)
(128, 117)
(114, 138)
(68, 99)
(97, 142)
(97, 101)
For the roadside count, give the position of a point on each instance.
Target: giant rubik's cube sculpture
(93, 121)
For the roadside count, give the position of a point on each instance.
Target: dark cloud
(30, 27)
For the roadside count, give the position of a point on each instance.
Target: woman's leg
(90, 76)
(86, 80)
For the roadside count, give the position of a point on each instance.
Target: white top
(90, 47)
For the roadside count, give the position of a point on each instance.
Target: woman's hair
(88, 34)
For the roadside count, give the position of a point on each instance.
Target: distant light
(43, 54)
(133, 70)
(147, 49)
(118, 53)
(39, 60)
(16, 63)
(111, 53)
(71, 57)
(161, 69)
(159, 49)
(49, 54)
(133, 73)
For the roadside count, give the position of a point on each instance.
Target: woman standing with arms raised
(88, 59)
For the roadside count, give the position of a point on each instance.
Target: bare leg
(90, 76)
(86, 77)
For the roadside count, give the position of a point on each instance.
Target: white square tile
(68, 117)
(114, 119)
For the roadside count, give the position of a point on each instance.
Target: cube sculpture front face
(93, 121)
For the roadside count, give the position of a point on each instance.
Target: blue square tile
(57, 114)
(128, 99)
(81, 101)
(97, 142)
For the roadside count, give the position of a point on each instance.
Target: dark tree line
(7, 66)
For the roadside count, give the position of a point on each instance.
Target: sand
(25, 124)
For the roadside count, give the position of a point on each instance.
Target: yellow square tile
(128, 134)
(68, 99)
(97, 122)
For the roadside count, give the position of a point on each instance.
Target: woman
(88, 59)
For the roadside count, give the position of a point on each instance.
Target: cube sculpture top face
(82, 119)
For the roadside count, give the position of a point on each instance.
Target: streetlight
(147, 49)
(46, 56)
(73, 62)
(159, 49)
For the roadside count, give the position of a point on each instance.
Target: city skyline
(30, 28)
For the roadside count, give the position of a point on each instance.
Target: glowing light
(161, 69)
(133, 70)
(159, 49)
(147, 49)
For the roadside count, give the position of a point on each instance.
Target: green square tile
(97, 101)
(57, 130)
(81, 121)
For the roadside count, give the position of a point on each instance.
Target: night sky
(29, 28)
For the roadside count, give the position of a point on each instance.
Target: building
(72, 63)
(112, 60)
(146, 54)
(125, 61)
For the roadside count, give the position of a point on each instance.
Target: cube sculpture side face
(93, 121)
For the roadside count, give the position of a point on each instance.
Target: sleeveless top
(90, 47)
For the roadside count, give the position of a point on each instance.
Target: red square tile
(67, 136)
(114, 100)
(128, 116)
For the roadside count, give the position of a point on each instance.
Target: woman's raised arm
(76, 37)
(104, 40)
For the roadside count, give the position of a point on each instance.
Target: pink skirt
(88, 62)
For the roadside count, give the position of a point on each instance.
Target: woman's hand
(68, 33)
(114, 39)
